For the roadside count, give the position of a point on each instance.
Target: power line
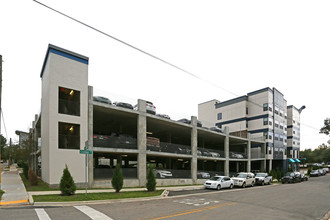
(136, 48)
(153, 56)
(4, 124)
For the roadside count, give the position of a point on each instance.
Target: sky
(228, 48)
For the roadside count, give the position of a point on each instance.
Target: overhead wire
(154, 56)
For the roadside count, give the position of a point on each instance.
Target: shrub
(67, 185)
(278, 175)
(33, 178)
(151, 180)
(117, 179)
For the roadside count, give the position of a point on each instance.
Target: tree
(67, 185)
(151, 180)
(326, 128)
(3, 142)
(33, 178)
(117, 179)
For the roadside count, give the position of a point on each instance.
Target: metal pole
(86, 175)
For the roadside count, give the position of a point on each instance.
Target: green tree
(67, 185)
(151, 180)
(3, 142)
(117, 179)
(326, 128)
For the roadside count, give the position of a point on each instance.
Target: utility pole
(0, 109)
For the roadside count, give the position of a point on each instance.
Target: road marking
(14, 202)
(196, 210)
(92, 213)
(196, 202)
(42, 214)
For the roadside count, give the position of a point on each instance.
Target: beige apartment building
(265, 116)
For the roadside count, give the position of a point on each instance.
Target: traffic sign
(85, 151)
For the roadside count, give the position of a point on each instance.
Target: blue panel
(51, 50)
(298, 160)
(291, 160)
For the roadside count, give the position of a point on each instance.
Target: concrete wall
(75, 73)
(207, 113)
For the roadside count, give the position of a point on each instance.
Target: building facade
(72, 120)
(263, 114)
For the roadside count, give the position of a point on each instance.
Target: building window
(265, 106)
(68, 136)
(219, 116)
(68, 101)
(247, 124)
(281, 138)
(270, 135)
(265, 135)
(265, 121)
(276, 137)
(247, 110)
(281, 126)
(276, 124)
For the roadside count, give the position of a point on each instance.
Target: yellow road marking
(14, 202)
(196, 210)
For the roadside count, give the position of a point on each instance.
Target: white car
(263, 178)
(244, 179)
(203, 175)
(219, 182)
(162, 173)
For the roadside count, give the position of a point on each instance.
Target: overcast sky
(234, 47)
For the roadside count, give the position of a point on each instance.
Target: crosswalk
(88, 211)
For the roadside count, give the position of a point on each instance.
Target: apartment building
(264, 115)
(293, 132)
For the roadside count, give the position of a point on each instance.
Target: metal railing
(170, 148)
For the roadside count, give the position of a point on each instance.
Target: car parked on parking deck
(162, 173)
(123, 104)
(102, 99)
(163, 116)
(219, 182)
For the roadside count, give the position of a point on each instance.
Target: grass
(1, 192)
(96, 196)
(42, 186)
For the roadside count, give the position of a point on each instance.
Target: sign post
(86, 152)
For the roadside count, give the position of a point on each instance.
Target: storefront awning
(298, 160)
(291, 160)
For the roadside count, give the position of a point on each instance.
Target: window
(276, 124)
(68, 101)
(281, 137)
(247, 124)
(265, 121)
(281, 126)
(276, 110)
(270, 134)
(247, 110)
(68, 136)
(276, 137)
(265, 106)
(219, 116)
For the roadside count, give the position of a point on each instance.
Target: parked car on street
(304, 177)
(162, 173)
(244, 179)
(326, 169)
(314, 173)
(263, 178)
(102, 99)
(322, 172)
(219, 182)
(123, 104)
(291, 177)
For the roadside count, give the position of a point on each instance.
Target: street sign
(85, 151)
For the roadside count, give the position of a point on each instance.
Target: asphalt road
(306, 200)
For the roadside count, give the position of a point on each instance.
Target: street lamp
(301, 108)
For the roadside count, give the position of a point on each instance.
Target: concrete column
(264, 162)
(248, 168)
(270, 165)
(90, 137)
(142, 142)
(193, 143)
(226, 170)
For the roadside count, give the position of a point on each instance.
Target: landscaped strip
(95, 196)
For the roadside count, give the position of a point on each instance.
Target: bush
(151, 180)
(67, 185)
(117, 179)
(33, 178)
(278, 175)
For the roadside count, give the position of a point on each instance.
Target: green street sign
(85, 151)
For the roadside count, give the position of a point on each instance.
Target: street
(306, 200)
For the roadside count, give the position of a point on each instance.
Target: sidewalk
(12, 185)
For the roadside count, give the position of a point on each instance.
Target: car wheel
(244, 185)
(283, 182)
(218, 187)
(270, 182)
(231, 186)
(262, 183)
